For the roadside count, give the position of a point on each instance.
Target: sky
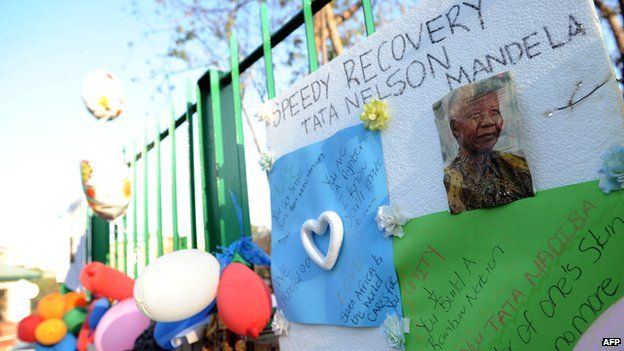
(47, 49)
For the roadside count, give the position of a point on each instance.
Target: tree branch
(616, 27)
(334, 35)
(348, 13)
(324, 35)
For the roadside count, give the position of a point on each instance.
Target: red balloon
(26, 328)
(85, 337)
(105, 281)
(243, 300)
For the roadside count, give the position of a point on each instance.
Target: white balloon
(106, 185)
(177, 285)
(103, 94)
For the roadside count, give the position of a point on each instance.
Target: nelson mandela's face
(477, 124)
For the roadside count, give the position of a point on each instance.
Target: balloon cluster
(180, 290)
(70, 322)
(56, 323)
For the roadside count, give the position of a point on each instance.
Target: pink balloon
(120, 326)
(610, 324)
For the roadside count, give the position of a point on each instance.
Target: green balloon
(74, 319)
(63, 289)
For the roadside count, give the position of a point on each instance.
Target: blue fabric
(244, 246)
(345, 174)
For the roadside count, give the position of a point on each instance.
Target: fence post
(368, 17)
(308, 17)
(223, 158)
(125, 243)
(146, 240)
(114, 253)
(191, 156)
(241, 172)
(135, 227)
(100, 246)
(174, 180)
(204, 136)
(266, 45)
(159, 233)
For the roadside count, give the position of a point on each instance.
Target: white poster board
(566, 86)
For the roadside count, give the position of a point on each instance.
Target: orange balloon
(51, 306)
(74, 299)
(50, 331)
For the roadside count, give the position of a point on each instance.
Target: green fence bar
(145, 202)
(116, 246)
(124, 229)
(115, 251)
(159, 230)
(191, 155)
(111, 244)
(87, 250)
(223, 156)
(100, 248)
(368, 17)
(238, 119)
(203, 134)
(268, 57)
(125, 243)
(174, 185)
(215, 100)
(310, 38)
(135, 227)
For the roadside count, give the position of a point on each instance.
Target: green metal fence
(217, 116)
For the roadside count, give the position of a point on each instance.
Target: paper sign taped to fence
(531, 275)
(567, 95)
(344, 174)
(565, 87)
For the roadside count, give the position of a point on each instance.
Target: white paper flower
(266, 161)
(265, 112)
(391, 220)
(612, 170)
(395, 330)
(280, 325)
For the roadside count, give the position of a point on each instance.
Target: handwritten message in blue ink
(345, 174)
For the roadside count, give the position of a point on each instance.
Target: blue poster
(345, 174)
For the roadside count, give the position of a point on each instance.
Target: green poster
(531, 275)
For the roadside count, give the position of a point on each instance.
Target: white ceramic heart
(319, 227)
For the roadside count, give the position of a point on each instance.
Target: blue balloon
(39, 347)
(68, 343)
(165, 331)
(100, 307)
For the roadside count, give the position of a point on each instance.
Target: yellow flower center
(103, 101)
(373, 116)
